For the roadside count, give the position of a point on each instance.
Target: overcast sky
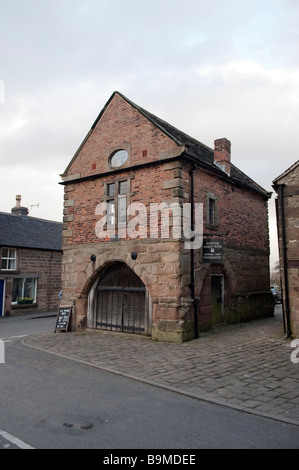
(218, 68)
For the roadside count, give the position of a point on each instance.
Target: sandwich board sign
(63, 318)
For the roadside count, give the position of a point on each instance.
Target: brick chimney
(222, 154)
(18, 209)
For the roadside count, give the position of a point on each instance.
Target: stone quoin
(287, 216)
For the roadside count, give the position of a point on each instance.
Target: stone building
(287, 215)
(31, 253)
(130, 263)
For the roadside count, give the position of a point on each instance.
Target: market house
(155, 285)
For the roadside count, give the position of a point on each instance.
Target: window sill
(18, 306)
(9, 271)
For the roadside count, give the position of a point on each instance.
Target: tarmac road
(70, 399)
(245, 367)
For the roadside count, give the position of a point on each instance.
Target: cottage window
(8, 259)
(24, 287)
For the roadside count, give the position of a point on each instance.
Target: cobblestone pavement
(246, 366)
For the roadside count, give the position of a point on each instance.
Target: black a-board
(63, 319)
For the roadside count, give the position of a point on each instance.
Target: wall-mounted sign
(212, 250)
(63, 318)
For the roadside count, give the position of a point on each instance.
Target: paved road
(247, 366)
(51, 402)
(103, 410)
(27, 325)
(11, 330)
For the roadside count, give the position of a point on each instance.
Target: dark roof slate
(286, 172)
(30, 232)
(201, 152)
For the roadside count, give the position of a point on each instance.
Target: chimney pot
(18, 200)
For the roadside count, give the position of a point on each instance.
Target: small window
(111, 212)
(116, 195)
(24, 287)
(212, 211)
(122, 209)
(119, 158)
(8, 259)
(111, 189)
(122, 189)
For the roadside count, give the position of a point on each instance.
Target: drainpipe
(279, 236)
(285, 260)
(194, 298)
(49, 283)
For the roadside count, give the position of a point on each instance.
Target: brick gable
(120, 126)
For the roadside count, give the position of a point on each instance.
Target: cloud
(213, 69)
(236, 69)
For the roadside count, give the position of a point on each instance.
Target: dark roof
(286, 172)
(199, 152)
(30, 232)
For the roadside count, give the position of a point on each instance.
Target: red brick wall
(120, 124)
(243, 227)
(146, 188)
(242, 213)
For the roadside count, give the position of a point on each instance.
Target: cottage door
(217, 299)
(121, 301)
(1, 296)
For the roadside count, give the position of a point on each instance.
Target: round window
(119, 158)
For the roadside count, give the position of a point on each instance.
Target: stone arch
(201, 273)
(104, 261)
(203, 290)
(117, 293)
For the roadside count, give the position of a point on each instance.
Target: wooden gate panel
(134, 311)
(121, 301)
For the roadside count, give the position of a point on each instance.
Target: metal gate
(121, 301)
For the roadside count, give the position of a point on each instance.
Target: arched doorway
(216, 299)
(121, 301)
